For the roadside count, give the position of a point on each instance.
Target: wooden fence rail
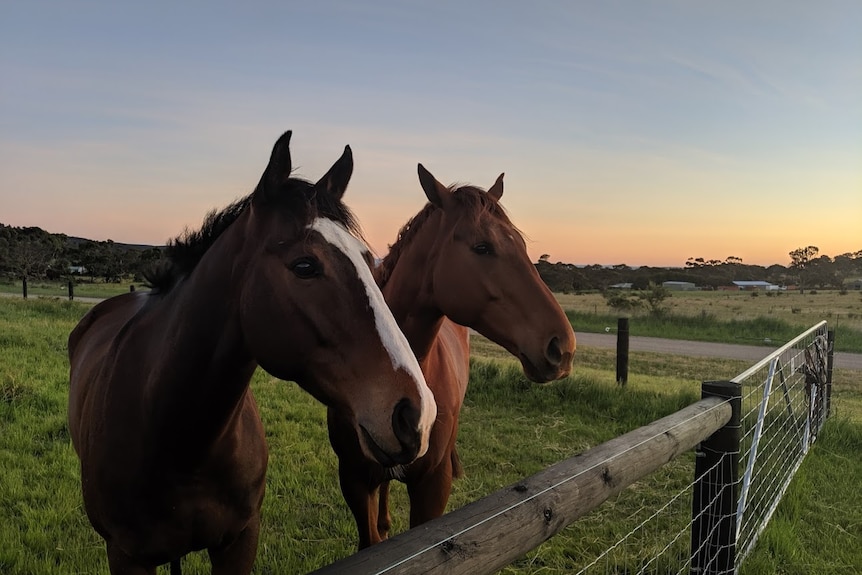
(486, 535)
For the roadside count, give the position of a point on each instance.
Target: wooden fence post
(714, 497)
(24, 287)
(622, 350)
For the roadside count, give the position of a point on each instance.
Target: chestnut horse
(173, 453)
(458, 263)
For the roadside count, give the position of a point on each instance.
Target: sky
(638, 133)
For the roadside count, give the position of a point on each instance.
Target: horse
(172, 449)
(459, 263)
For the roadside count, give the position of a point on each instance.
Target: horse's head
(311, 311)
(483, 278)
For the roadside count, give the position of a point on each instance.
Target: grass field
(804, 310)
(509, 429)
(768, 318)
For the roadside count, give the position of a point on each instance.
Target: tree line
(805, 269)
(33, 253)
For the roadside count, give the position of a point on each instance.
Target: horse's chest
(193, 512)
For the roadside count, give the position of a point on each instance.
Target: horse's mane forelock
(183, 252)
(477, 204)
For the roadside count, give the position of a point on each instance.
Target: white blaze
(390, 334)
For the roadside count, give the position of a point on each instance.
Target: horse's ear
(496, 191)
(436, 192)
(278, 170)
(334, 182)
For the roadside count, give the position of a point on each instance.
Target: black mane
(297, 197)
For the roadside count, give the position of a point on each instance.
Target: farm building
(755, 285)
(679, 286)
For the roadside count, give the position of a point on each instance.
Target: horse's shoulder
(105, 319)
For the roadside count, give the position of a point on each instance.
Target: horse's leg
(358, 478)
(121, 564)
(361, 498)
(237, 557)
(384, 519)
(430, 493)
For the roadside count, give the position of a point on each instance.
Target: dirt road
(751, 353)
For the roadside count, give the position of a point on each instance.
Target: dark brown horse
(173, 454)
(459, 262)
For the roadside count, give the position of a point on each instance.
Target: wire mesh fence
(784, 399)
(711, 525)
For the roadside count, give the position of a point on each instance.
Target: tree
(654, 297)
(621, 300)
(32, 253)
(799, 260)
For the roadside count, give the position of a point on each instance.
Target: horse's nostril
(554, 354)
(405, 423)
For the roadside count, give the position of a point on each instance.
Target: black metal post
(622, 350)
(714, 500)
(131, 288)
(24, 287)
(830, 358)
(71, 286)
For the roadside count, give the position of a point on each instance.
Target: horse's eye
(305, 267)
(483, 249)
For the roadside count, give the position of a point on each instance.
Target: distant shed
(755, 285)
(679, 286)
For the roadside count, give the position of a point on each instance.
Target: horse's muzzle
(405, 426)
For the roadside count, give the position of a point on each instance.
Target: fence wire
(783, 409)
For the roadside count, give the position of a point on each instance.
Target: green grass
(509, 429)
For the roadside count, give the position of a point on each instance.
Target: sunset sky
(642, 132)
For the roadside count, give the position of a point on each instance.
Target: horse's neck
(409, 293)
(202, 375)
